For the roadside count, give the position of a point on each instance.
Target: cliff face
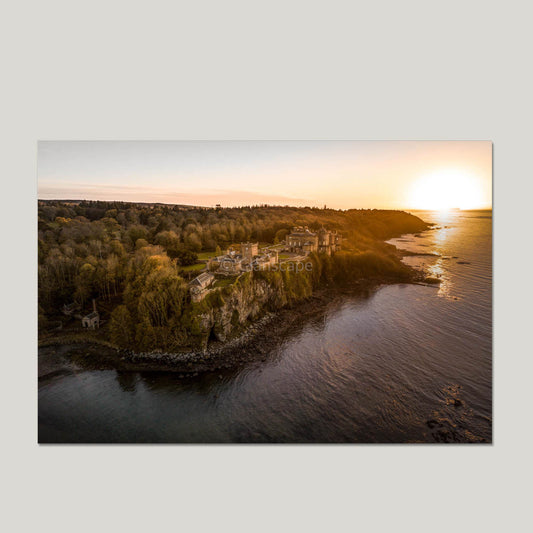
(250, 298)
(158, 315)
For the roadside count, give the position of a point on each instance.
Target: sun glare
(446, 190)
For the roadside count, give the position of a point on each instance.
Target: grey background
(266, 70)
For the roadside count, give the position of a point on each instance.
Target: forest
(135, 261)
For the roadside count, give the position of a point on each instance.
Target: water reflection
(438, 270)
(127, 380)
(439, 240)
(400, 366)
(444, 217)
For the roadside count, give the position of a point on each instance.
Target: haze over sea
(404, 363)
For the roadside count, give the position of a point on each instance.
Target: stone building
(249, 258)
(249, 250)
(92, 320)
(199, 286)
(303, 240)
(228, 264)
(70, 309)
(265, 261)
(328, 241)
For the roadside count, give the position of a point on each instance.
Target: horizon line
(258, 205)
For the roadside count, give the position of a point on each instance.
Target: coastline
(252, 344)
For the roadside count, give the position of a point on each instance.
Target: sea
(403, 363)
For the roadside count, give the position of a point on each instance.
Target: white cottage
(92, 320)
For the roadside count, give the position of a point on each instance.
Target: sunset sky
(340, 174)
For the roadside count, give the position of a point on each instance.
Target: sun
(446, 189)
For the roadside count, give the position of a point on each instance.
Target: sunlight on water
(398, 365)
(437, 271)
(440, 237)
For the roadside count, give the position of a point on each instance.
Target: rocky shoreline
(253, 344)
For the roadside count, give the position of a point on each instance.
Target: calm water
(407, 363)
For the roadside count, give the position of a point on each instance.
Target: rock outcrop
(245, 302)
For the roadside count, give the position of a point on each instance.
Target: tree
(104, 249)
(84, 283)
(121, 327)
(186, 258)
(136, 232)
(141, 243)
(280, 235)
(168, 239)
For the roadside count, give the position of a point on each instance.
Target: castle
(249, 258)
(302, 240)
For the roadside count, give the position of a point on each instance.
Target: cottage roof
(203, 279)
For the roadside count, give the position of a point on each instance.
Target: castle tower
(249, 250)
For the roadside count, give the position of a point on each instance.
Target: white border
(276, 70)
